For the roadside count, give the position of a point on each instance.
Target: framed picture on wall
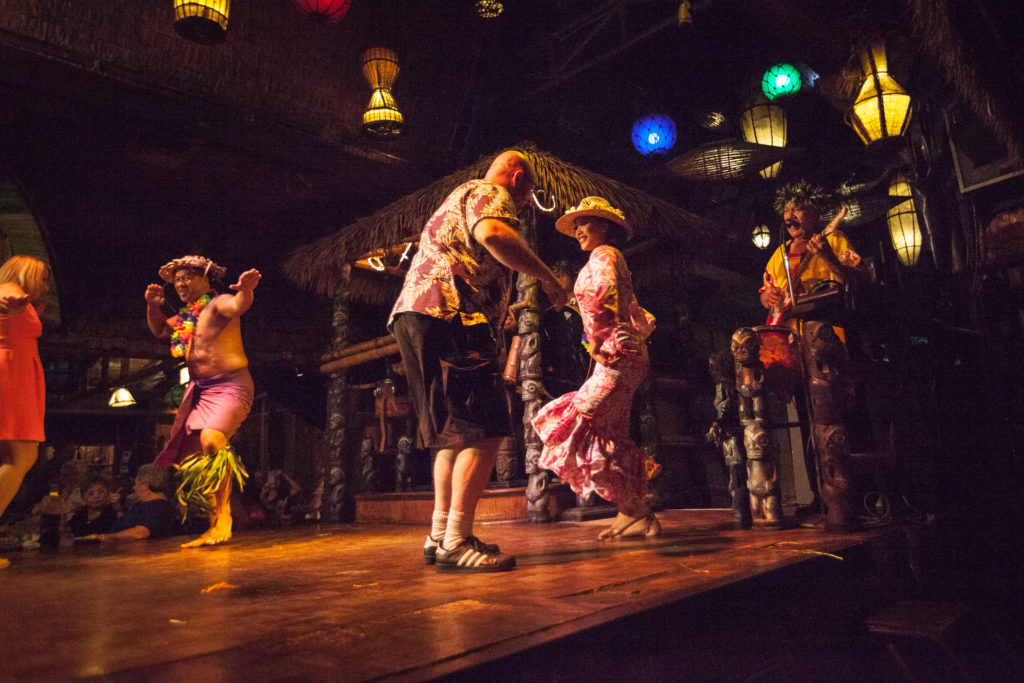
(978, 157)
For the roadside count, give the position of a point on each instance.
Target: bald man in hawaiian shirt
(447, 321)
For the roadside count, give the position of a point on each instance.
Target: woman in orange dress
(24, 281)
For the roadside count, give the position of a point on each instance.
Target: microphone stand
(785, 262)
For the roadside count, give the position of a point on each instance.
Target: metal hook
(538, 194)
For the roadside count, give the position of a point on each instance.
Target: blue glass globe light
(781, 80)
(654, 134)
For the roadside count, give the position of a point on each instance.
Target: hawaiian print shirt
(451, 274)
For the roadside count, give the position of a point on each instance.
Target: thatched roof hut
(318, 266)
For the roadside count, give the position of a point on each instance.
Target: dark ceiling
(132, 145)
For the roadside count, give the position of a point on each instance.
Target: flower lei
(181, 337)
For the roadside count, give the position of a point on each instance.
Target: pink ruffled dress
(586, 432)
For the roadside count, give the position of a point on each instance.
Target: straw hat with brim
(197, 264)
(592, 206)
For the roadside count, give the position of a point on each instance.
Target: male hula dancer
(207, 334)
(447, 321)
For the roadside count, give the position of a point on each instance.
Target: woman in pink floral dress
(586, 433)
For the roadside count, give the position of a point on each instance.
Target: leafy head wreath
(800, 193)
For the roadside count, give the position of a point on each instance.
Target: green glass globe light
(781, 80)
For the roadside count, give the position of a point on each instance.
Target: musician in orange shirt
(815, 255)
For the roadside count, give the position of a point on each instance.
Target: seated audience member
(99, 515)
(152, 515)
(65, 497)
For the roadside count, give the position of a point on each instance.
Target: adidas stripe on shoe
(470, 556)
(430, 547)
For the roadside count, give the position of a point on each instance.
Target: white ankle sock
(438, 524)
(460, 525)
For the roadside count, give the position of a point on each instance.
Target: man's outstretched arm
(506, 245)
(234, 306)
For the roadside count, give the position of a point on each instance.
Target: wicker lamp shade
(882, 108)
(859, 210)
(382, 117)
(202, 21)
(721, 161)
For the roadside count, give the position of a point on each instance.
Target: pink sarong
(221, 402)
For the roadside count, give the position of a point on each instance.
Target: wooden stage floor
(355, 602)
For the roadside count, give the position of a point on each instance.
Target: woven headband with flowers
(800, 192)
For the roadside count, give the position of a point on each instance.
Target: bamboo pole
(386, 340)
(358, 358)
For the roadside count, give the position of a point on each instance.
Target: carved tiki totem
(726, 433)
(762, 460)
(828, 382)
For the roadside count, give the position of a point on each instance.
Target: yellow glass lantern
(765, 124)
(762, 236)
(381, 118)
(202, 21)
(882, 108)
(903, 227)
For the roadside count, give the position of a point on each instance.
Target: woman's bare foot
(619, 525)
(219, 532)
(643, 523)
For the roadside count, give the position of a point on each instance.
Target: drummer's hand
(772, 296)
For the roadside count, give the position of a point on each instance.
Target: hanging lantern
(713, 120)
(765, 124)
(327, 10)
(654, 134)
(684, 15)
(762, 237)
(381, 118)
(882, 108)
(781, 80)
(202, 21)
(903, 227)
(489, 9)
(722, 161)
(121, 398)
